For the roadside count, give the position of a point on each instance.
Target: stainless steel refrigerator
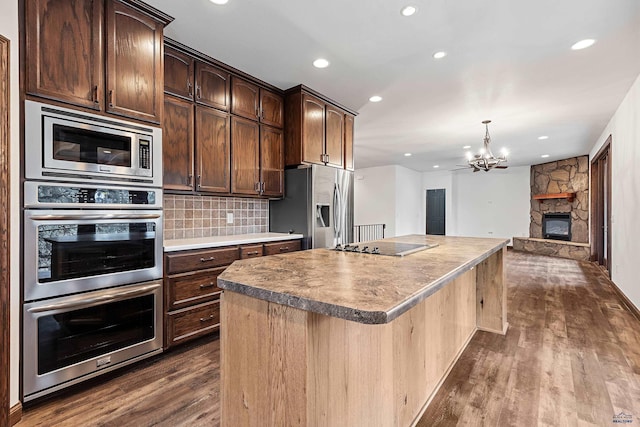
(318, 203)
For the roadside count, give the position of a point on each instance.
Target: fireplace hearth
(557, 226)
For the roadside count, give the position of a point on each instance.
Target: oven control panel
(39, 194)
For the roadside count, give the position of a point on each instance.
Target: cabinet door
(348, 141)
(271, 161)
(312, 129)
(245, 162)
(244, 98)
(134, 63)
(177, 144)
(271, 109)
(335, 136)
(178, 73)
(212, 86)
(65, 51)
(212, 150)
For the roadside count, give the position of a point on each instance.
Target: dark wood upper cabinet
(213, 150)
(212, 86)
(313, 129)
(245, 163)
(177, 144)
(178, 73)
(271, 161)
(64, 51)
(133, 63)
(348, 142)
(245, 98)
(334, 136)
(317, 130)
(271, 109)
(105, 55)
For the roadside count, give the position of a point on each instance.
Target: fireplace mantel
(542, 197)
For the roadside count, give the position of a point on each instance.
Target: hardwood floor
(571, 357)
(180, 388)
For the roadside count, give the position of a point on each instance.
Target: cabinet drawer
(189, 323)
(193, 288)
(252, 251)
(200, 259)
(281, 247)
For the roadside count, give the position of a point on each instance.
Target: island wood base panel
(285, 366)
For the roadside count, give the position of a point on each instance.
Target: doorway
(436, 211)
(601, 206)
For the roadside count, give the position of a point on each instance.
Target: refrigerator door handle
(337, 212)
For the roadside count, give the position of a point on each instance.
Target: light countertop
(359, 287)
(218, 241)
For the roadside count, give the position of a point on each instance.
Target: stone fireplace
(560, 201)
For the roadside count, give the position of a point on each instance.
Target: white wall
(494, 203)
(374, 197)
(410, 217)
(484, 204)
(389, 195)
(624, 128)
(9, 29)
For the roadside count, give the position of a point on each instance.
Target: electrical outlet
(229, 217)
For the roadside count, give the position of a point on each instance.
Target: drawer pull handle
(207, 285)
(206, 319)
(252, 253)
(211, 258)
(284, 248)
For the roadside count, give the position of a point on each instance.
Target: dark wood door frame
(601, 206)
(5, 332)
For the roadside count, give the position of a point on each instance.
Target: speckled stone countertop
(217, 241)
(363, 288)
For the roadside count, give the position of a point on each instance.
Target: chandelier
(485, 160)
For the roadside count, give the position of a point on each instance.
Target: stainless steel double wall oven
(92, 258)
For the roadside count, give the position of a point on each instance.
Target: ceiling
(508, 61)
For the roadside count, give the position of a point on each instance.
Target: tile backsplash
(203, 216)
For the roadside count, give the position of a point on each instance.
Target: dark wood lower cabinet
(191, 294)
(193, 322)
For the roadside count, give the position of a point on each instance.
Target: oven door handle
(90, 302)
(93, 216)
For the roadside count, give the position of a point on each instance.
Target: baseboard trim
(443, 378)
(496, 331)
(626, 301)
(15, 414)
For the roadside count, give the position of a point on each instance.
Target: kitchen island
(322, 337)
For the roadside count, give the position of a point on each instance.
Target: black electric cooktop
(381, 247)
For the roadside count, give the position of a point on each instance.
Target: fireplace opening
(556, 226)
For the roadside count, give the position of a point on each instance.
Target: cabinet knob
(110, 98)
(95, 95)
(189, 88)
(198, 91)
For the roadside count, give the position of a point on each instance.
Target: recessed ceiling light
(219, 1)
(321, 63)
(544, 156)
(408, 10)
(375, 98)
(466, 147)
(439, 55)
(543, 137)
(407, 154)
(436, 166)
(583, 44)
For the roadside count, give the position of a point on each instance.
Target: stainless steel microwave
(68, 145)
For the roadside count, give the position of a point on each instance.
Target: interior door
(436, 212)
(601, 206)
